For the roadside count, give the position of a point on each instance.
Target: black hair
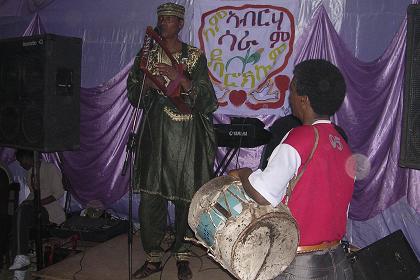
(323, 83)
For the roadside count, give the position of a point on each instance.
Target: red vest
(320, 199)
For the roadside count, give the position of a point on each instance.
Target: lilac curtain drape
(105, 117)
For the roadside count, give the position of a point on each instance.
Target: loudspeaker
(410, 135)
(40, 92)
(390, 258)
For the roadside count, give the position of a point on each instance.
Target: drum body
(249, 240)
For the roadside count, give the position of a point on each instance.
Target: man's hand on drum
(243, 174)
(240, 173)
(234, 173)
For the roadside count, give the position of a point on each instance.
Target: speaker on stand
(40, 92)
(40, 100)
(410, 134)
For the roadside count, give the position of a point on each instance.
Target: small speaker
(410, 134)
(40, 92)
(390, 258)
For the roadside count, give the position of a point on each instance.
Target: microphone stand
(132, 142)
(66, 184)
(37, 205)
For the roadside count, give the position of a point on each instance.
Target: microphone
(157, 30)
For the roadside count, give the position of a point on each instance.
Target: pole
(37, 205)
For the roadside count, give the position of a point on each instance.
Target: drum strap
(295, 179)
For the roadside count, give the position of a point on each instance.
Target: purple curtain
(35, 27)
(95, 171)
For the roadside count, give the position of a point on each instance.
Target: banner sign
(249, 50)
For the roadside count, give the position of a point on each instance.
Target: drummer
(322, 168)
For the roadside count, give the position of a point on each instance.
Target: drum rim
(251, 227)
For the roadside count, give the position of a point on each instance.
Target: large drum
(249, 240)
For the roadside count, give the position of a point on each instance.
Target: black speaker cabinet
(390, 258)
(410, 134)
(40, 92)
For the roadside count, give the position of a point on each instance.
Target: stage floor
(109, 261)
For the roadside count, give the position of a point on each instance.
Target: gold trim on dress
(158, 56)
(176, 116)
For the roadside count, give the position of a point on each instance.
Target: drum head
(266, 247)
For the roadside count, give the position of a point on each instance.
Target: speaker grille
(410, 140)
(9, 122)
(33, 74)
(40, 82)
(32, 124)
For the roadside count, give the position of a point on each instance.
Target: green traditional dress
(175, 152)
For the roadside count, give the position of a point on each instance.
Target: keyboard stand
(230, 153)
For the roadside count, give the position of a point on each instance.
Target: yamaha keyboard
(242, 133)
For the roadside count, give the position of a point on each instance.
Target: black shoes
(184, 271)
(147, 269)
